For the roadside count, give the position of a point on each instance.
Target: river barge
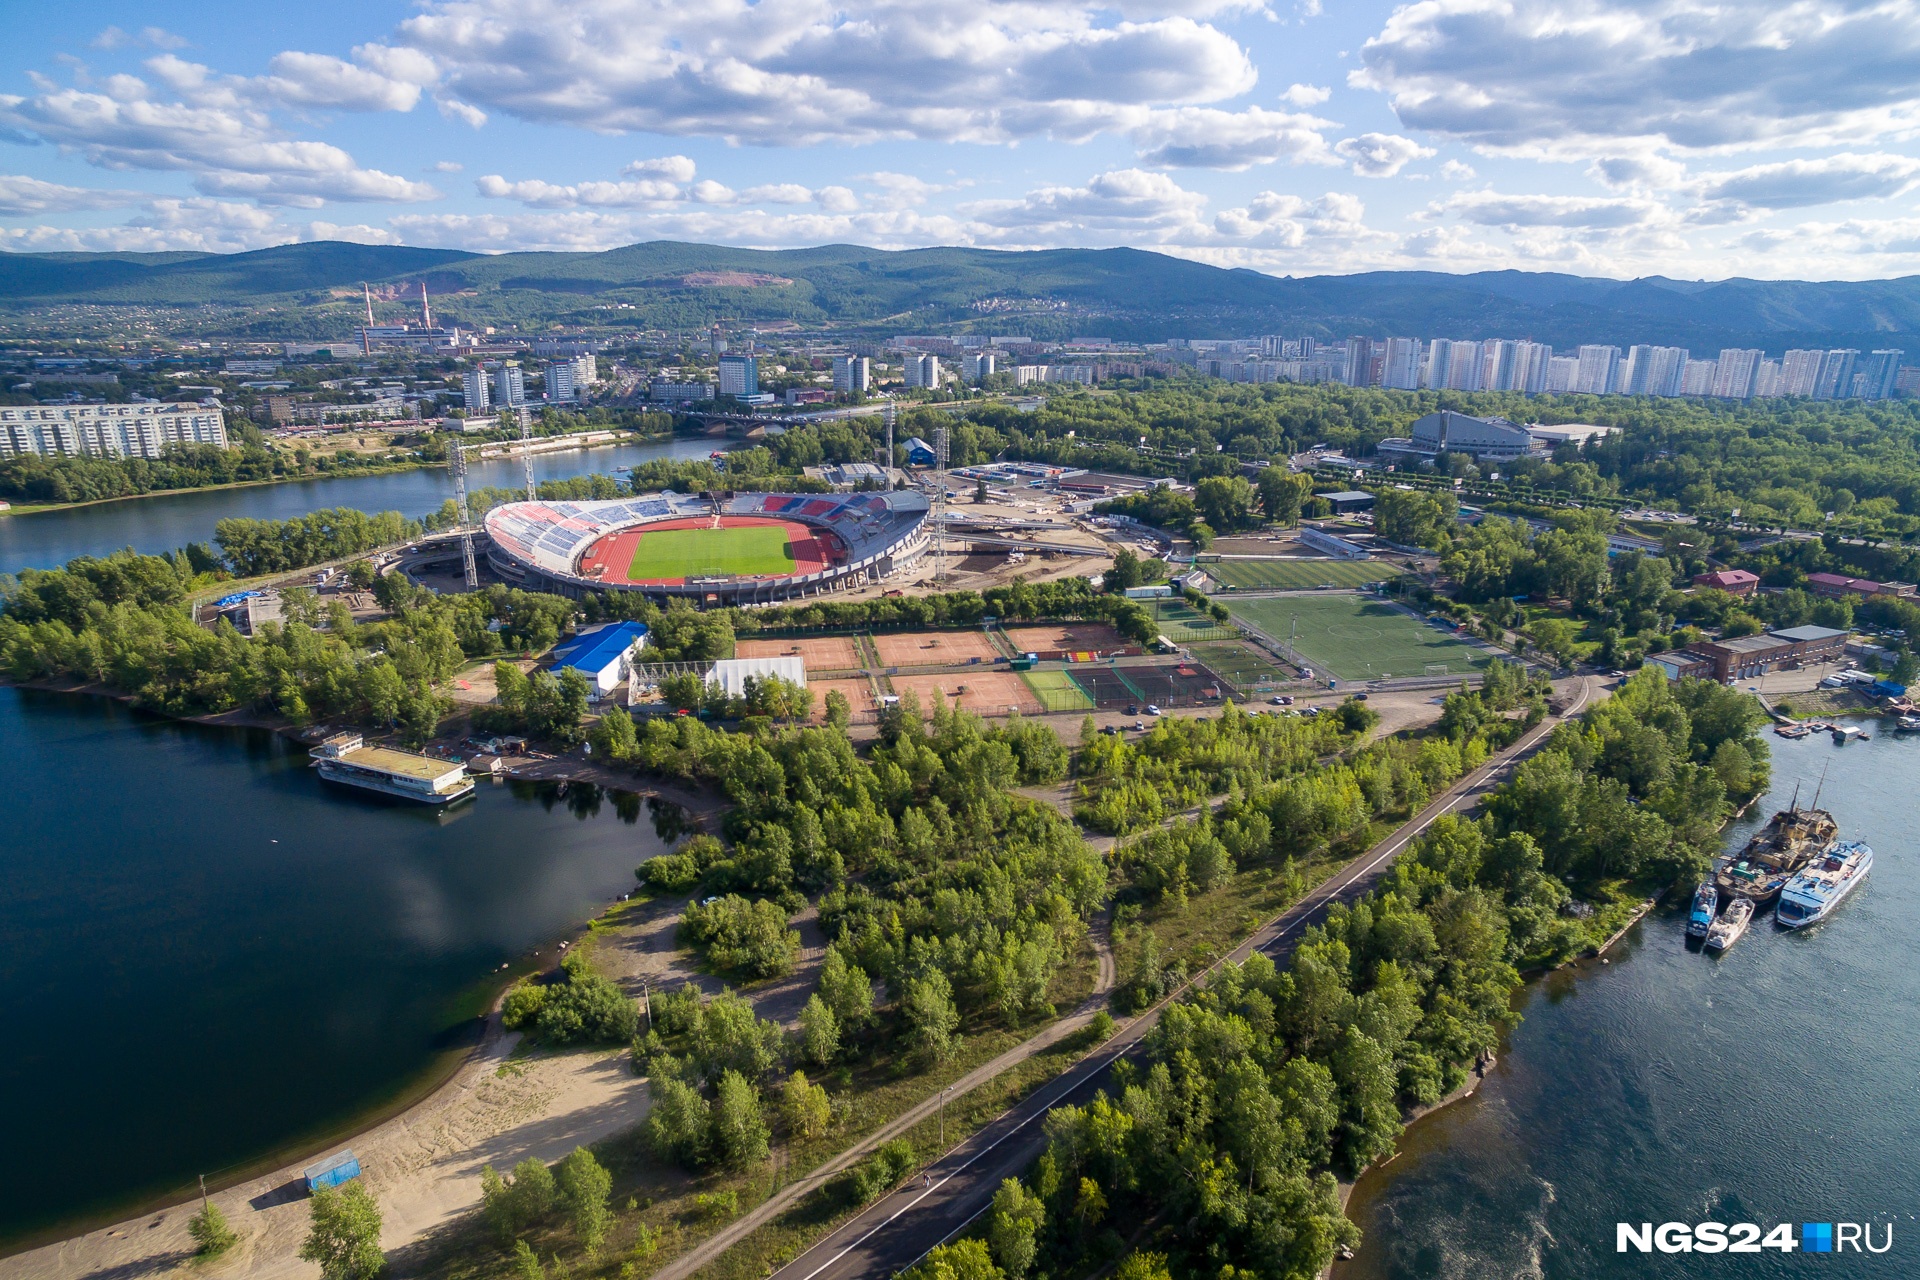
(1791, 839)
(346, 758)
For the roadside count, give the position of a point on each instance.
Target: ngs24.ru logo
(1746, 1237)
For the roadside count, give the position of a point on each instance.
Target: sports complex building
(747, 548)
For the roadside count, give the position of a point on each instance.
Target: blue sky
(1692, 138)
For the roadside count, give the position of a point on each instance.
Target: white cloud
(540, 194)
(1637, 172)
(1494, 209)
(446, 166)
(157, 37)
(1306, 95)
(1131, 199)
(1456, 171)
(318, 80)
(803, 71)
(465, 112)
(1208, 138)
(837, 199)
(1599, 77)
(22, 196)
(1380, 155)
(208, 226)
(1798, 184)
(672, 168)
(212, 130)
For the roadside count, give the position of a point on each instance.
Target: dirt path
(423, 1166)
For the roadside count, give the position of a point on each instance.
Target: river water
(45, 539)
(1778, 1083)
(208, 955)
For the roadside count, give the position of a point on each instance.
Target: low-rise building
(1813, 644)
(1744, 657)
(603, 654)
(1735, 582)
(1345, 500)
(1835, 585)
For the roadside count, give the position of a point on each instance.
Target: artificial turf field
(1355, 637)
(1057, 691)
(752, 550)
(1295, 574)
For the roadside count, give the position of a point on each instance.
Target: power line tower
(526, 453)
(940, 501)
(457, 467)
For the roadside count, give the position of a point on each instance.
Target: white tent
(731, 674)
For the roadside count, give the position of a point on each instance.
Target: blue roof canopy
(596, 650)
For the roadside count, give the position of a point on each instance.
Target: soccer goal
(1439, 669)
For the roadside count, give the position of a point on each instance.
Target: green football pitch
(701, 553)
(1354, 637)
(1057, 691)
(1296, 574)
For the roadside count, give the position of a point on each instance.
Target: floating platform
(407, 775)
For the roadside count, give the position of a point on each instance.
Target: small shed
(341, 1167)
(919, 452)
(603, 654)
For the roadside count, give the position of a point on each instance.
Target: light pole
(943, 1116)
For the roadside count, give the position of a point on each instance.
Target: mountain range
(315, 290)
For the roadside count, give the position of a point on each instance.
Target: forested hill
(1121, 293)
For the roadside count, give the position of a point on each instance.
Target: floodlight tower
(888, 465)
(457, 467)
(940, 501)
(526, 453)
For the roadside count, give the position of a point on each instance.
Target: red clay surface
(858, 693)
(927, 648)
(985, 693)
(609, 558)
(820, 653)
(1091, 636)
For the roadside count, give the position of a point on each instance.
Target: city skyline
(1598, 137)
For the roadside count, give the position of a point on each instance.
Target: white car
(1152, 710)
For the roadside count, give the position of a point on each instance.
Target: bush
(741, 937)
(582, 1008)
(211, 1234)
(878, 1172)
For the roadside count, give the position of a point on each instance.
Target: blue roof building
(603, 654)
(919, 452)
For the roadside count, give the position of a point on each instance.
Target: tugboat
(1706, 901)
(1825, 883)
(1728, 929)
(1789, 841)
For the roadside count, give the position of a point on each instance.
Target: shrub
(741, 937)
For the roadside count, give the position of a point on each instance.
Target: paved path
(899, 1229)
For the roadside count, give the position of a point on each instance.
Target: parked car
(1152, 710)
(1133, 710)
(1278, 701)
(1140, 726)
(1359, 697)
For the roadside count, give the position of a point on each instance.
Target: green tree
(931, 1017)
(1014, 1225)
(585, 1187)
(344, 1237)
(961, 1260)
(679, 1122)
(526, 1263)
(739, 1127)
(805, 1107)
(211, 1234)
(819, 1031)
(845, 987)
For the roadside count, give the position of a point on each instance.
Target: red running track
(612, 555)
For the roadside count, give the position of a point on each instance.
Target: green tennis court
(699, 553)
(1057, 691)
(1296, 575)
(1355, 637)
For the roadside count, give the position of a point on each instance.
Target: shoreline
(358, 473)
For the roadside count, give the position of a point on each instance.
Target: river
(45, 539)
(1775, 1084)
(208, 955)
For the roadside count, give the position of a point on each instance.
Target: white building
(108, 430)
(568, 380)
(1800, 372)
(980, 365)
(922, 370)
(852, 375)
(739, 376)
(1697, 378)
(1836, 374)
(509, 387)
(1599, 372)
(477, 389)
(732, 674)
(1562, 371)
(1737, 372)
(1402, 369)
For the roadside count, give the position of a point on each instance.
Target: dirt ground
(984, 692)
(925, 648)
(643, 949)
(1067, 635)
(820, 653)
(858, 693)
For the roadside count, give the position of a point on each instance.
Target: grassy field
(1296, 574)
(1057, 691)
(1238, 662)
(1358, 638)
(1183, 624)
(694, 553)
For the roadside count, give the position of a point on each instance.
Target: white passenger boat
(1824, 884)
(1732, 923)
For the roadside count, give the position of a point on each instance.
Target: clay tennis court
(926, 648)
(624, 559)
(858, 693)
(820, 653)
(985, 693)
(1092, 637)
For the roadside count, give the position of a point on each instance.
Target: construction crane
(457, 468)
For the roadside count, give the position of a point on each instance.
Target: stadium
(748, 548)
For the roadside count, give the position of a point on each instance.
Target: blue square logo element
(1816, 1237)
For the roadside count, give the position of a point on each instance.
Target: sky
(1698, 139)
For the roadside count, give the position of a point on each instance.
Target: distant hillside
(1121, 293)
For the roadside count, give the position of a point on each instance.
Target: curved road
(899, 1229)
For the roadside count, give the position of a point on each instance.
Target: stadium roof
(596, 650)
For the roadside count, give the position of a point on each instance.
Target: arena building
(748, 548)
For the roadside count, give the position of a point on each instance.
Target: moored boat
(1824, 884)
(1777, 851)
(1733, 923)
(1706, 901)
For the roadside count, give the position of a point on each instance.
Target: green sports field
(1296, 574)
(1240, 663)
(1183, 624)
(699, 553)
(1057, 691)
(1355, 637)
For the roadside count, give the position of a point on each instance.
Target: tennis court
(1356, 637)
(1295, 574)
(820, 653)
(1057, 691)
(858, 693)
(986, 692)
(1067, 637)
(925, 648)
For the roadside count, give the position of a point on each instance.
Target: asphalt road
(898, 1230)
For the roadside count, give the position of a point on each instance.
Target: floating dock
(346, 758)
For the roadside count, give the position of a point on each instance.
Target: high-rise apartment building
(1800, 372)
(509, 387)
(567, 380)
(1358, 372)
(108, 430)
(1835, 379)
(1878, 374)
(476, 390)
(922, 371)
(1697, 378)
(1599, 370)
(1402, 369)
(1562, 372)
(1736, 372)
(739, 376)
(980, 365)
(852, 375)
